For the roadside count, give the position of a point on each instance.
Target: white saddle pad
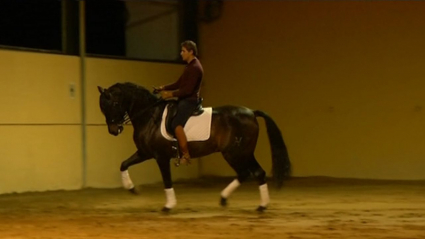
(197, 128)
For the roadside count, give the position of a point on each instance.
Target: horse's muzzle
(115, 129)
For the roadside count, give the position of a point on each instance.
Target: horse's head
(112, 106)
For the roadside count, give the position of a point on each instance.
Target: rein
(127, 118)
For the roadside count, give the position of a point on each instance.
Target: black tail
(281, 166)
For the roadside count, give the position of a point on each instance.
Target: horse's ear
(101, 90)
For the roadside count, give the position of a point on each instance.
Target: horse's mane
(137, 92)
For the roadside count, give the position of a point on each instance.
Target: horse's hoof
(166, 209)
(134, 191)
(261, 209)
(223, 201)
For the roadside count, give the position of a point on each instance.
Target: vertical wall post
(82, 21)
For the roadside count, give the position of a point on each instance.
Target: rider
(187, 90)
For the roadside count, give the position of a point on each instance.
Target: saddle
(172, 112)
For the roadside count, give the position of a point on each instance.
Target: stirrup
(177, 162)
(177, 155)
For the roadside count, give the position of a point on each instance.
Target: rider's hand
(166, 94)
(156, 90)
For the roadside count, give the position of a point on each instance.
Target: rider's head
(188, 51)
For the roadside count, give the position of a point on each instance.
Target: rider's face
(185, 54)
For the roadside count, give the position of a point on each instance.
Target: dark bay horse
(234, 133)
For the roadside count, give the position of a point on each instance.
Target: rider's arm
(173, 86)
(188, 83)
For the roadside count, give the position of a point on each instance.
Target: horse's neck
(134, 106)
(142, 114)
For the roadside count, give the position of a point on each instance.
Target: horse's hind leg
(243, 173)
(260, 175)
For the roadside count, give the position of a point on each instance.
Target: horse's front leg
(164, 167)
(125, 176)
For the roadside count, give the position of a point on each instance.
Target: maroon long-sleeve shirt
(189, 83)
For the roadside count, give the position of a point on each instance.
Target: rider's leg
(182, 140)
(185, 109)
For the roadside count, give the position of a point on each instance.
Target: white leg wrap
(126, 180)
(264, 193)
(230, 188)
(171, 198)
